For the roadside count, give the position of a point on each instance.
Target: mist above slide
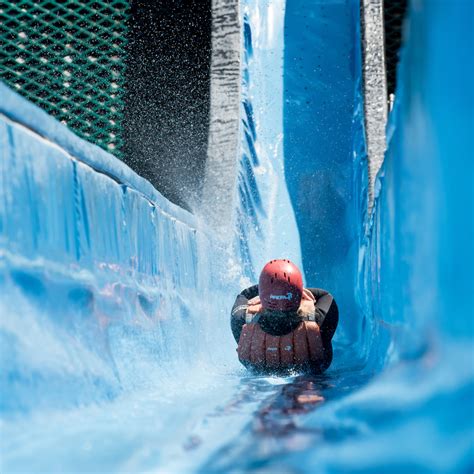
(115, 347)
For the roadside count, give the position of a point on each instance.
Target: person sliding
(282, 327)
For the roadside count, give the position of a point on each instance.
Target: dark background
(167, 95)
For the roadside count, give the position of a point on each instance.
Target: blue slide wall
(111, 294)
(418, 267)
(91, 257)
(322, 110)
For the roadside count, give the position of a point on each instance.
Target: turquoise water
(116, 355)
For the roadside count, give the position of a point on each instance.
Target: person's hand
(308, 296)
(254, 309)
(254, 300)
(254, 305)
(307, 303)
(306, 307)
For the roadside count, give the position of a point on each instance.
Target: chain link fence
(68, 57)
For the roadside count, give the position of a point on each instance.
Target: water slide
(115, 348)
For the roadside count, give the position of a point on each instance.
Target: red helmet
(280, 286)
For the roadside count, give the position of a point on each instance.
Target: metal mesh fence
(68, 56)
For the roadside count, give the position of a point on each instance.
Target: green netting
(68, 56)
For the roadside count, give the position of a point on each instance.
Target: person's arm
(239, 310)
(327, 317)
(327, 313)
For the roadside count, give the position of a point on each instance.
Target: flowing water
(116, 352)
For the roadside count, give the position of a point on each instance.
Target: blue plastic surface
(115, 349)
(84, 255)
(321, 83)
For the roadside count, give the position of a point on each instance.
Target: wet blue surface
(322, 73)
(115, 350)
